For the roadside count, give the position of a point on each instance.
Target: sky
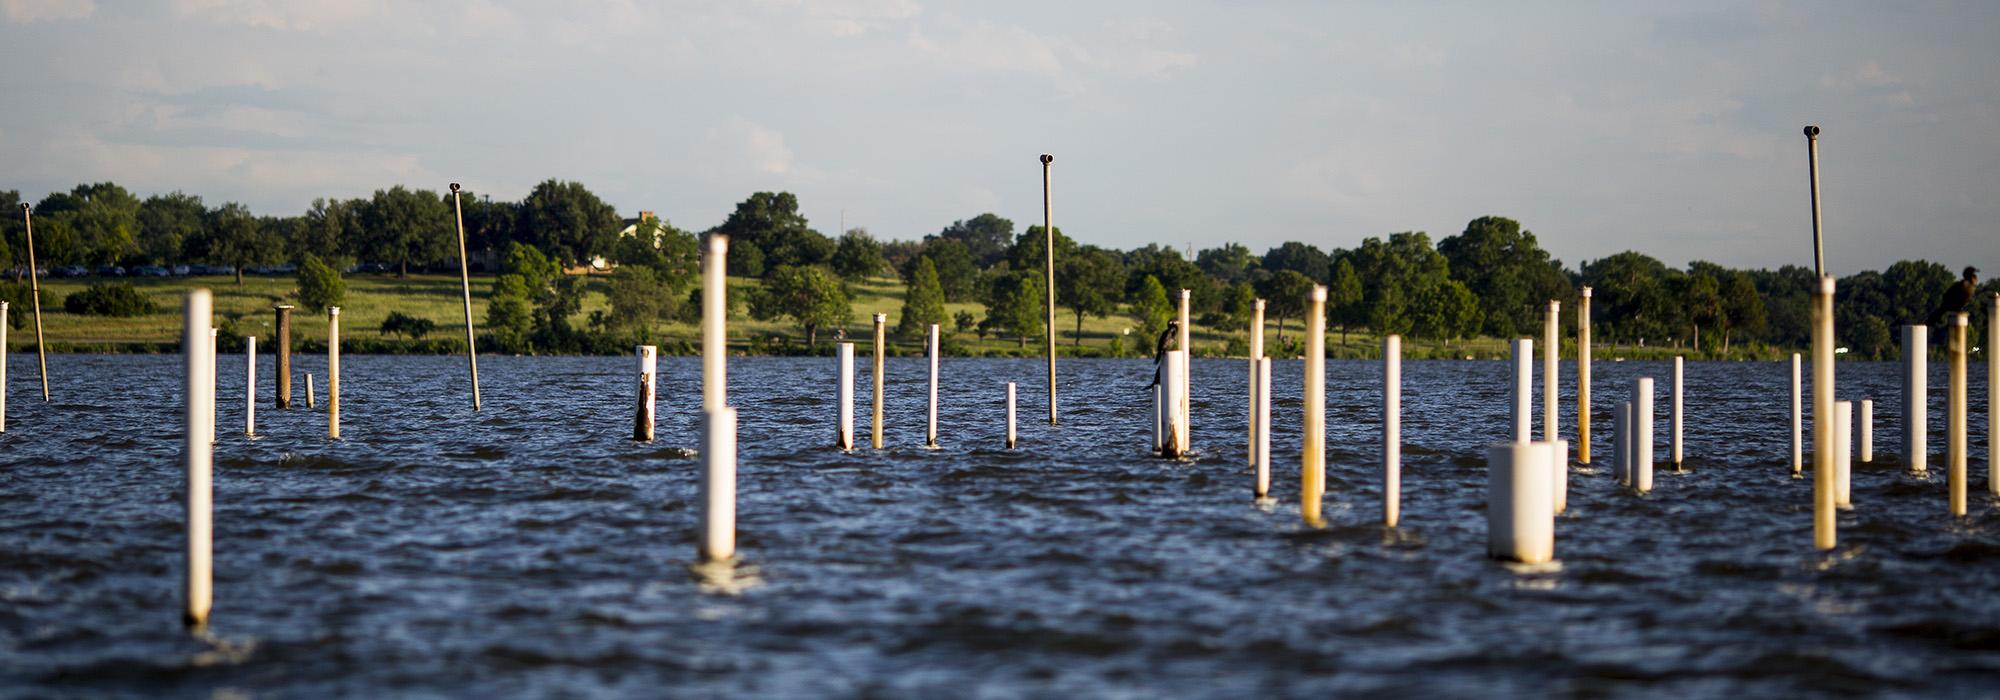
(1669, 128)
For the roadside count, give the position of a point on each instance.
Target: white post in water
(1583, 377)
(1170, 386)
(1552, 404)
(1256, 354)
(844, 396)
(642, 419)
(465, 287)
(333, 372)
(309, 392)
(3, 366)
(881, 344)
(1159, 417)
(1799, 425)
(1263, 421)
(931, 432)
(1992, 394)
(1823, 342)
(1392, 429)
(1676, 414)
(1621, 443)
(1313, 459)
(1954, 417)
(1049, 254)
(1524, 378)
(1187, 371)
(1843, 446)
(1916, 390)
(714, 311)
(214, 342)
(1867, 431)
(1520, 520)
(1642, 434)
(249, 385)
(718, 483)
(198, 370)
(1010, 415)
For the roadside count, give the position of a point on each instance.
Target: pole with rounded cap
(35, 296)
(1313, 460)
(718, 424)
(465, 286)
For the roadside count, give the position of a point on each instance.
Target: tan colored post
(714, 317)
(35, 296)
(1313, 461)
(309, 391)
(1583, 378)
(642, 419)
(1812, 167)
(465, 286)
(881, 346)
(1824, 536)
(198, 452)
(284, 355)
(1049, 248)
(1954, 417)
(1256, 353)
(333, 372)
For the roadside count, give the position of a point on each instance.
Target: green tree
(810, 296)
(1152, 309)
(1229, 264)
(509, 313)
(232, 236)
(923, 302)
(857, 256)
(401, 324)
(1701, 303)
(1445, 310)
(330, 230)
(1630, 296)
(407, 227)
(1508, 272)
(1300, 258)
(166, 223)
(567, 222)
(986, 237)
(1017, 308)
(640, 296)
(1343, 297)
(320, 286)
(771, 228)
(673, 254)
(1086, 282)
(104, 218)
(958, 276)
(964, 320)
(1285, 296)
(1742, 307)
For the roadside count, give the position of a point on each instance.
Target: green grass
(370, 298)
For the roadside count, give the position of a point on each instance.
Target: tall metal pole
(465, 285)
(1812, 167)
(1049, 248)
(35, 293)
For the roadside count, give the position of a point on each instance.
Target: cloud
(30, 11)
(293, 15)
(762, 149)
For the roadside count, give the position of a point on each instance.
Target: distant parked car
(180, 270)
(72, 271)
(286, 269)
(150, 271)
(111, 271)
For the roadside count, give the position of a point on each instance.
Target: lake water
(533, 549)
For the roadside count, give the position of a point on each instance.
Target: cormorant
(1956, 297)
(1172, 332)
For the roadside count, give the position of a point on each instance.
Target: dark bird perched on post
(1160, 349)
(1956, 297)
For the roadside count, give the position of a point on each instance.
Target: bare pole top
(1812, 131)
(1046, 159)
(24, 205)
(454, 188)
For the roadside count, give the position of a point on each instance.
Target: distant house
(597, 263)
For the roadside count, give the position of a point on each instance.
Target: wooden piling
(642, 417)
(1954, 417)
(1823, 339)
(198, 423)
(284, 312)
(1313, 459)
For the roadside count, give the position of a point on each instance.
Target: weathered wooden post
(284, 312)
(1824, 536)
(35, 298)
(3, 366)
(333, 372)
(1010, 415)
(1676, 414)
(881, 342)
(1392, 429)
(1263, 420)
(844, 396)
(1867, 431)
(198, 388)
(1916, 397)
(465, 286)
(1171, 376)
(1256, 354)
(1954, 417)
(1049, 251)
(1798, 423)
(931, 427)
(1313, 461)
(1583, 377)
(642, 418)
(249, 385)
(1843, 453)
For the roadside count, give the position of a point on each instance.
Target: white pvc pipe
(1843, 446)
(1642, 434)
(1263, 422)
(1798, 422)
(1313, 456)
(1187, 370)
(1954, 417)
(310, 403)
(1621, 442)
(1824, 524)
(1170, 383)
(1551, 395)
(1010, 415)
(1520, 520)
(1159, 419)
(1392, 429)
(643, 421)
(718, 484)
(3, 366)
(1916, 390)
(1867, 431)
(844, 396)
(1992, 395)
(1524, 372)
(1676, 414)
(1583, 377)
(333, 372)
(214, 341)
(714, 317)
(198, 367)
(1256, 353)
(249, 385)
(931, 432)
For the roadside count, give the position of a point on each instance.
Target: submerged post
(198, 452)
(1676, 414)
(718, 483)
(1262, 489)
(931, 429)
(1798, 423)
(1843, 453)
(1256, 353)
(1823, 342)
(714, 316)
(642, 418)
(1916, 397)
(249, 385)
(1049, 250)
(1392, 429)
(1010, 415)
(465, 286)
(1313, 459)
(284, 355)
(333, 372)
(35, 298)
(1954, 417)
(1583, 377)
(843, 397)
(881, 343)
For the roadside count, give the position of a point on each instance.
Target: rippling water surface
(534, 549)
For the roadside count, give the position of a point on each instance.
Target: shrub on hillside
(320, 286)
(112, 299)
(401, 324)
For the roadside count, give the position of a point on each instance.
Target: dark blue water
(533, 549)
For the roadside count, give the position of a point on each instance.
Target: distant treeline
(1491, 279)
